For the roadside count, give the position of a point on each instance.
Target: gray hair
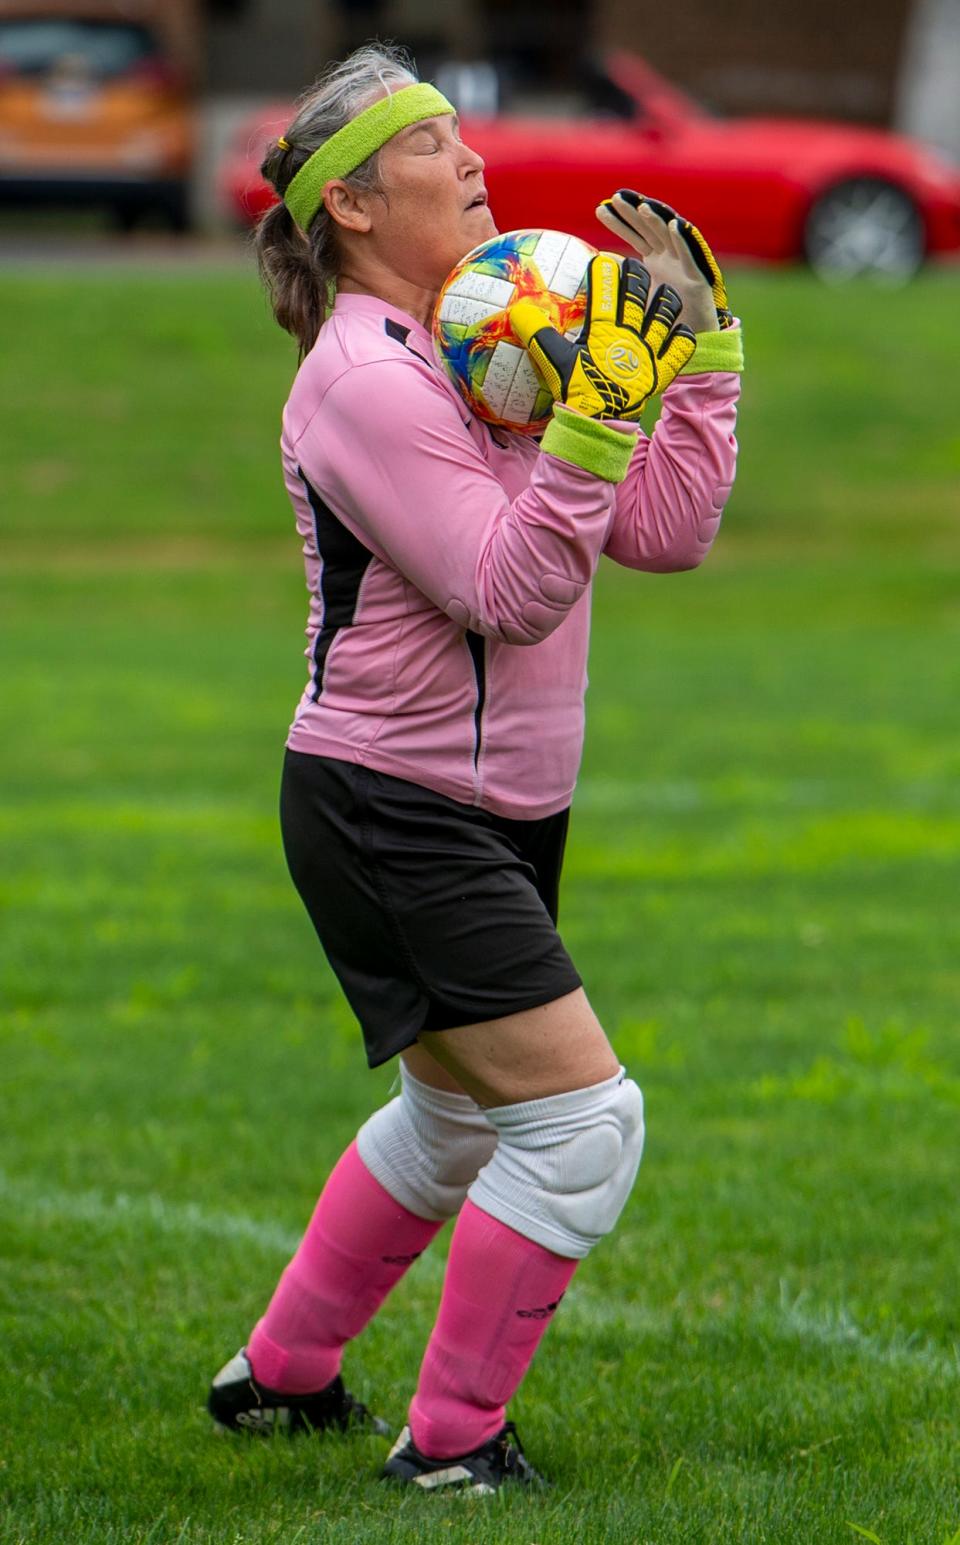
(300, 271)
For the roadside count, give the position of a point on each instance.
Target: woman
(432, 759)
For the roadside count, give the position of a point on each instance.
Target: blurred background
(816, 131)
(762, 878)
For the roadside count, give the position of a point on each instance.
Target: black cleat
(480, 1473)
(239, 1404)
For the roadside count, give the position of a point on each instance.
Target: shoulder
(352, 340)
(361, 364)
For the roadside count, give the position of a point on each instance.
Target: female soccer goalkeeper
(433, 756)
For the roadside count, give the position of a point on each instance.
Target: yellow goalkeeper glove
(694, 240)
(627, 350)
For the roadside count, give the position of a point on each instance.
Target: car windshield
(594, 93)
(605, 97)
(102, 49)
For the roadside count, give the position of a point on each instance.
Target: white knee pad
(426, 1146)
(564, 1166)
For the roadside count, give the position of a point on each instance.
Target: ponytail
(298, 288)
(300, 271)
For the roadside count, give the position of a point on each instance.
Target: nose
(473, 162)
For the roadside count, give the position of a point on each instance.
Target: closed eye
(424, 132)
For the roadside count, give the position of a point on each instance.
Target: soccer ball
(472, 335)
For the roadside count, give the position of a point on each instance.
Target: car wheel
(864, 227)
(176, 210)
(125, 218)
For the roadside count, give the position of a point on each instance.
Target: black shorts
(431, 913)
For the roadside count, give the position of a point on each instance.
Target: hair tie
(283, 143)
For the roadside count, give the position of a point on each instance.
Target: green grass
(761, 895)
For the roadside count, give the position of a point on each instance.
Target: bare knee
(428, 1070)
(552, 1049)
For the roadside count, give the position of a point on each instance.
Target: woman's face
(429, 218)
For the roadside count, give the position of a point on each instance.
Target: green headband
(358, 139)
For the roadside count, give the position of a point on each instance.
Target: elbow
(671, 563)
(526, 619)
(535, 623)
(690, 551)
(531, 625)
(688, 558)
(683, 554)
(542, 614)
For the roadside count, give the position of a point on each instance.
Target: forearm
(420, 495)
(542, 555)
(669, 506)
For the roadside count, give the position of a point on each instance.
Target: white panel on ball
(461, 311)
(571, 268)
(523, 393)
(505, 361)
(548, 254)
(497, 292)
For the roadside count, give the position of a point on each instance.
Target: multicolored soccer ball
(472, 335)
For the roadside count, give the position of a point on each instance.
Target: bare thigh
(547, 1050)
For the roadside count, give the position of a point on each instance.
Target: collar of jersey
(373, 306)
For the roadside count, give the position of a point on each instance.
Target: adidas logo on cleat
(480, 1473)
(455, 1475)
(257, 1420)
(238, 1403)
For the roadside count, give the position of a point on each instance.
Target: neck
(411, 298)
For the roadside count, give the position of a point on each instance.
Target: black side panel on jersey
(344, 561)
(400, 334)
(477, 645)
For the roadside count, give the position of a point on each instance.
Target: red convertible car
(848, 200)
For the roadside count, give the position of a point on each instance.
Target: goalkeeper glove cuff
(589, 443)
(716, 351)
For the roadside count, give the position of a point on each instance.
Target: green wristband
(589, 443)
(716, 351)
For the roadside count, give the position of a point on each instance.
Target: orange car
(94, 110)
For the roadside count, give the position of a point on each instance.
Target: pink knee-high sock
(499, 1294)
(358, 1244)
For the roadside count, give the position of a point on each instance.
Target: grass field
(761, 895)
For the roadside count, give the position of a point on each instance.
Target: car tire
(176, 210)
(864, 227)
(125, 217)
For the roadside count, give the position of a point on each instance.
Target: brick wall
(751, 56)
(739, 56)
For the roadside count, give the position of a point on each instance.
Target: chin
(475, 231)
(482, 231)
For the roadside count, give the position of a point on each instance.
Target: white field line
(793, 1320)
(101, 1210)
(836, 1327)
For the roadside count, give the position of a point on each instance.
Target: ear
(349, 208)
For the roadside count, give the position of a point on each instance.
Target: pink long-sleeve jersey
(449, 566)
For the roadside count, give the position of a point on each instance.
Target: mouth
(479, 202)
